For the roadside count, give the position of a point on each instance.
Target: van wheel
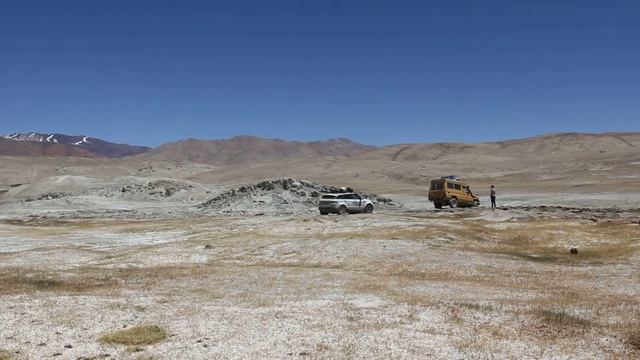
(342, 210)
(368, 209)
(437, 205)
(453, 203)
(476, 203)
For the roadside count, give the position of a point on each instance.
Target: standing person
(493, 197)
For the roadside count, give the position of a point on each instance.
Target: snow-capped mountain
(35, 143)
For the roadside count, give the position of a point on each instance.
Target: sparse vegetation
(6, 355)
(140, 335)
(562, 319)
(30, 282)
(475, 306)
(634, 338)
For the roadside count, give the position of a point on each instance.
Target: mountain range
(254, 150)
(64, 145)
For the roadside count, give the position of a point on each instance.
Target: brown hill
(580, 162)
(543, 145)
(250, 149)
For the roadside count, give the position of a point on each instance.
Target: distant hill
(405, 162)
(543, 146)
(251, 149)
(567, 161)
(35, 144)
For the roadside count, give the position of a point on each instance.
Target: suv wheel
(323, 213)
(453, 203)
(368, 209)
(437, 205)
(342, 210)
(476, 203)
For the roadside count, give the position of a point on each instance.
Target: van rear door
(436, 190)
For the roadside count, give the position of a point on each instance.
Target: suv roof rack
(451, 177)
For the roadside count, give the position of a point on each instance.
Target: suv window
(342, 196)
(449, 186)
(436, 186)
(458, 187)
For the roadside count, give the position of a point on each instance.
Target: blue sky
(379, 72)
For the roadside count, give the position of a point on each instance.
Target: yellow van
(451, 191)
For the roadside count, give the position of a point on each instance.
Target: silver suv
(344, 203)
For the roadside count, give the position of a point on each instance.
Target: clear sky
(378, 72)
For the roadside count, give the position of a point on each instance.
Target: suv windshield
(328, 196)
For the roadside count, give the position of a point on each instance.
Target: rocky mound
(157, 189)
(284, 196)
(48, 196)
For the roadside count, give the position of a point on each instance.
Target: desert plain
(163, 257)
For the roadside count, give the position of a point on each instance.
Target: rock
(573, 250)
(157, 189)
(282, 196)
(208, 247)
(68, 347)
(101, 356)
(48, 196)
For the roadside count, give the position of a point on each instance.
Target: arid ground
(130, 259)
(470, 283)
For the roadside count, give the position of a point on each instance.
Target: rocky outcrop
(157, 189)
(285, 195)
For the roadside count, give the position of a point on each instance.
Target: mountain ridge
(251, 149)
(55, 144)
(246, 149)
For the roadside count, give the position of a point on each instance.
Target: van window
(449, 186)
(458, 187)
(436, 185)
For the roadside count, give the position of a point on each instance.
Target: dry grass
(29, 283)
(140, 335)
(634, 338)
(546, 241)
(6, 355)
(562, 319)
(94, 279)
(475, 306)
